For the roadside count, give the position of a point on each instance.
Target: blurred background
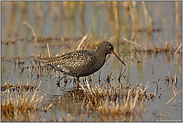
(143, 21)
(148, 32)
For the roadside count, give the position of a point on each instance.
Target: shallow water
(136, 73)
(139, 70)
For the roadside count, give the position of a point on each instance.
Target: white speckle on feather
(65, 70)
(58, 66)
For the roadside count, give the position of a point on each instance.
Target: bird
(81, 63)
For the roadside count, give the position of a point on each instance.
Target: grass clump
(20, 106)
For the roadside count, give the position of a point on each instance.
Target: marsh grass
(20, 102)
(36, 69)
(110, 102)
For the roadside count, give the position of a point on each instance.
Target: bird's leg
(77, 82)
(58, 81)
(65, 81)
(84, 81)
(74, 81)
(90, 80)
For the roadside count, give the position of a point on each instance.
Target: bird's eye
(108, 47)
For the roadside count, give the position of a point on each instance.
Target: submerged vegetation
(111, 103)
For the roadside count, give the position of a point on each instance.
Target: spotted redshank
(81, 63)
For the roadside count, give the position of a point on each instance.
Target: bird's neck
(101, 56)
(100, 51)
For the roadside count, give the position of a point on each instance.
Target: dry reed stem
(49, 106)
(126, 104)
(180, 101)
(145, 12)
(178, 48)
(90, 103)
(177, 18)
(174, 96)
(148, 82)
(34, 94)
(143, 105)
(148, 20)
(39, 116)
(113, 86)
(81, 42)
(125, 69)
(39, 102)
(175, 80)
(174, 91)
(48, 49)
(33, 32)
(132, 42)
(89, 88)
(135, 100)
(82, 87)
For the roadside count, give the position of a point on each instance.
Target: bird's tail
(44, 60)
(48, 60)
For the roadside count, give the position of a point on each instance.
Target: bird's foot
(59, 79)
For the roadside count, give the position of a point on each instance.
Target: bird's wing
(71, 61)
(51, 60)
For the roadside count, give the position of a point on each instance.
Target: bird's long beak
(117, 57)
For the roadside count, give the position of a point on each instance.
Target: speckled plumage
(81, 62)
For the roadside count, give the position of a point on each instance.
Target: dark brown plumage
(81, 62)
